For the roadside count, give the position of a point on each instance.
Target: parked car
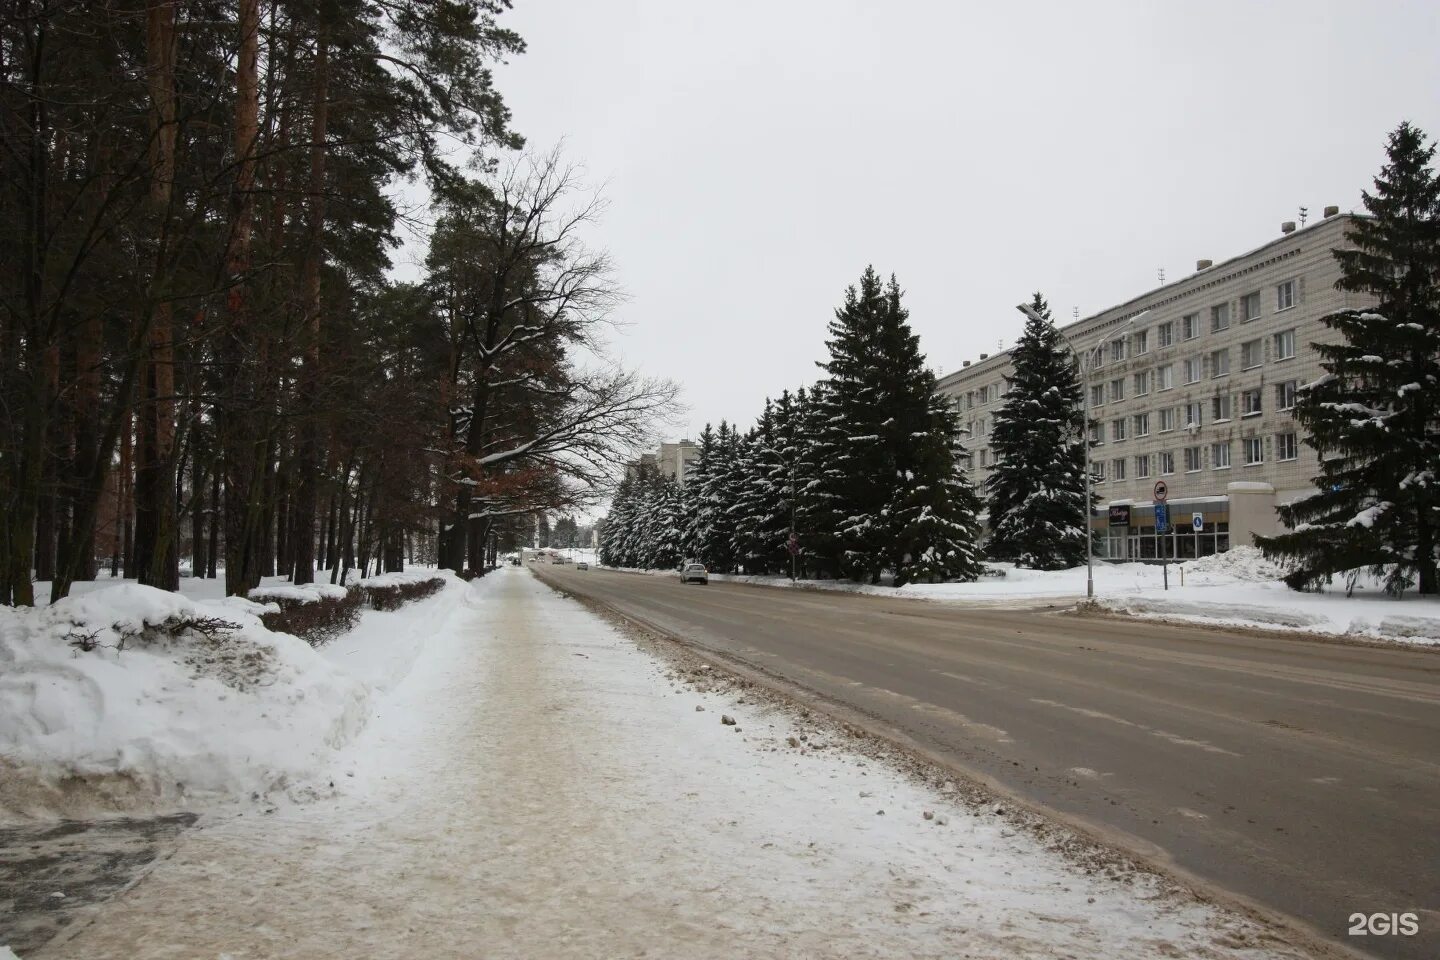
(582, 565)
(694, 573)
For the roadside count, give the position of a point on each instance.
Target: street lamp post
(1086, 362)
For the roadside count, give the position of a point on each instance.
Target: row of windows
(1285, 446)
(1252, 404)
(1190, 325)
(1192, 369)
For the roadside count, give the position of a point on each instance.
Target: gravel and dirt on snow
(539, 786)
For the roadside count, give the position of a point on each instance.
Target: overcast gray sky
(757, 155)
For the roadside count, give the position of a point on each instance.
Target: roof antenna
(1304, 211)
(1074, 313)
(1161, 273)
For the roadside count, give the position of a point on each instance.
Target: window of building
(1117, 350)
(1097, 395)
(1193, 415)
(1117, 389)
(1167, 462)
(1193, 368)
(1192, 459)
(1117, 429)
(970, 400)
(1285, 344)
(1250, 403)
(1097, 471)
(1142, 466)
(1220, 408)
(1219, 362)
(1167, 419)
(1285, 295)
(1142, 424)
(1220, 455)
(1095, 435)
(1285, 395)
(1190, 326)
(1165, 376)
(1254, 451)
(1286, 447)
(1117, 469)
(984, 458)
(1140, 343)
(1165, 334)
(1142, 383)
(1219, 317)
(1250, 307)
(1250, 354)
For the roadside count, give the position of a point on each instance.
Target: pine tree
(761, 512)
(700, 513)
(1374, 417)
(935, 514)
(855, 415)
(898, 499)
(816, 483)
(1037, 489)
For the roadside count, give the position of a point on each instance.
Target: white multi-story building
(1193, 383)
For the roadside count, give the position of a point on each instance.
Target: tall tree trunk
(156, 514)
(22, 500)
(89, 470)
(211, 571)
(237, 414)
(307, 494)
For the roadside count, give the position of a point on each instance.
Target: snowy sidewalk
(537, 787)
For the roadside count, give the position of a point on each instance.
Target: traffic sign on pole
(1161, 491)
(1162, 517)
(1197, 522)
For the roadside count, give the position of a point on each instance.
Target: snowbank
(306, 593)
(1236, 588)
(402, 579)
(1369, 614)
(135, 699)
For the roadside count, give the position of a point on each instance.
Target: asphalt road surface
(1302, 775)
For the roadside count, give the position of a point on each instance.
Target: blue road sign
(1162, 518)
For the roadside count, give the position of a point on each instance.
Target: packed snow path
(537, 787)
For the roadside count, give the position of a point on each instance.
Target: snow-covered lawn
(1236, 588)
(104, 707)
(538, 786)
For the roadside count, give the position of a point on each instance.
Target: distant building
(1193, 383)
(646, 461)
(674, 459)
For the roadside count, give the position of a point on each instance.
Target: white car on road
(694, 573)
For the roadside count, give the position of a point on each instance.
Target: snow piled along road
(1235, 588)
(538, 786)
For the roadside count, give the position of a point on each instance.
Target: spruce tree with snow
(617, 533)
(762, 511)
(786, 473)
(711, 487)
(1036, 491)
(660, 527)
(936, 509)
(1374, 416)
(817, 484)
(855, 413)
(897, 492)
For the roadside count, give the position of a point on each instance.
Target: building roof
(1215, 274)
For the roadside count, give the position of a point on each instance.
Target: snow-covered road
(538, 786)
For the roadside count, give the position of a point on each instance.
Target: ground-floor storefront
(1198, 527)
